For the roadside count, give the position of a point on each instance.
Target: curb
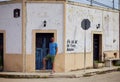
(37, 76)
(99, 72)
(57, 76)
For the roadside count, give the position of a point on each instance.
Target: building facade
(84, 34)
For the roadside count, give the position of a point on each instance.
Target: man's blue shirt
(52, 48)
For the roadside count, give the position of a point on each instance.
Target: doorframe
(34, 41)
(4, 46)
(101, 51)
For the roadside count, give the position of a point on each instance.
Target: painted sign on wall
(71, 45)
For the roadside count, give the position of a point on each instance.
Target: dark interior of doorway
(97, 47)
(1, 51)
(42, 47)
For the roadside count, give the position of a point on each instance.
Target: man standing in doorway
(53, 49)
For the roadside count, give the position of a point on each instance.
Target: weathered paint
(54, 14)
(12, 27)
(36, 14)
(13, 62)
(109, 28)
(109, 25)
(111, 31)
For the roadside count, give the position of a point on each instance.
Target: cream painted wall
(109, 26)
(37, 13)
(12, 26)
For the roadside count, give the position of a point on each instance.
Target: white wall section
(37, 13)
(109, 26)
(12, 26)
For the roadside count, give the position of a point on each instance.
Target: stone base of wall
(30, 63)
(69, 62)
(13, 62)
(63, 62)
(110, 54)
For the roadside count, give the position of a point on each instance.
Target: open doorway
(97, 47)
(1, 51)
(42, 47)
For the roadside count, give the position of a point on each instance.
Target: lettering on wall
(71, 45)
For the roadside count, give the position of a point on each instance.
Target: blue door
(42, 48)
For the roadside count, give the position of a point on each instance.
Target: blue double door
(42, 49)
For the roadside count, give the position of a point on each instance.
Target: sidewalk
(72, 74)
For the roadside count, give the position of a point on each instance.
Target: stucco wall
(12, 27)
(75, 15)
(109, 26)
(13, 62)
(37, 13)
(111, 31)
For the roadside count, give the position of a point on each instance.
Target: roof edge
(92, 6)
